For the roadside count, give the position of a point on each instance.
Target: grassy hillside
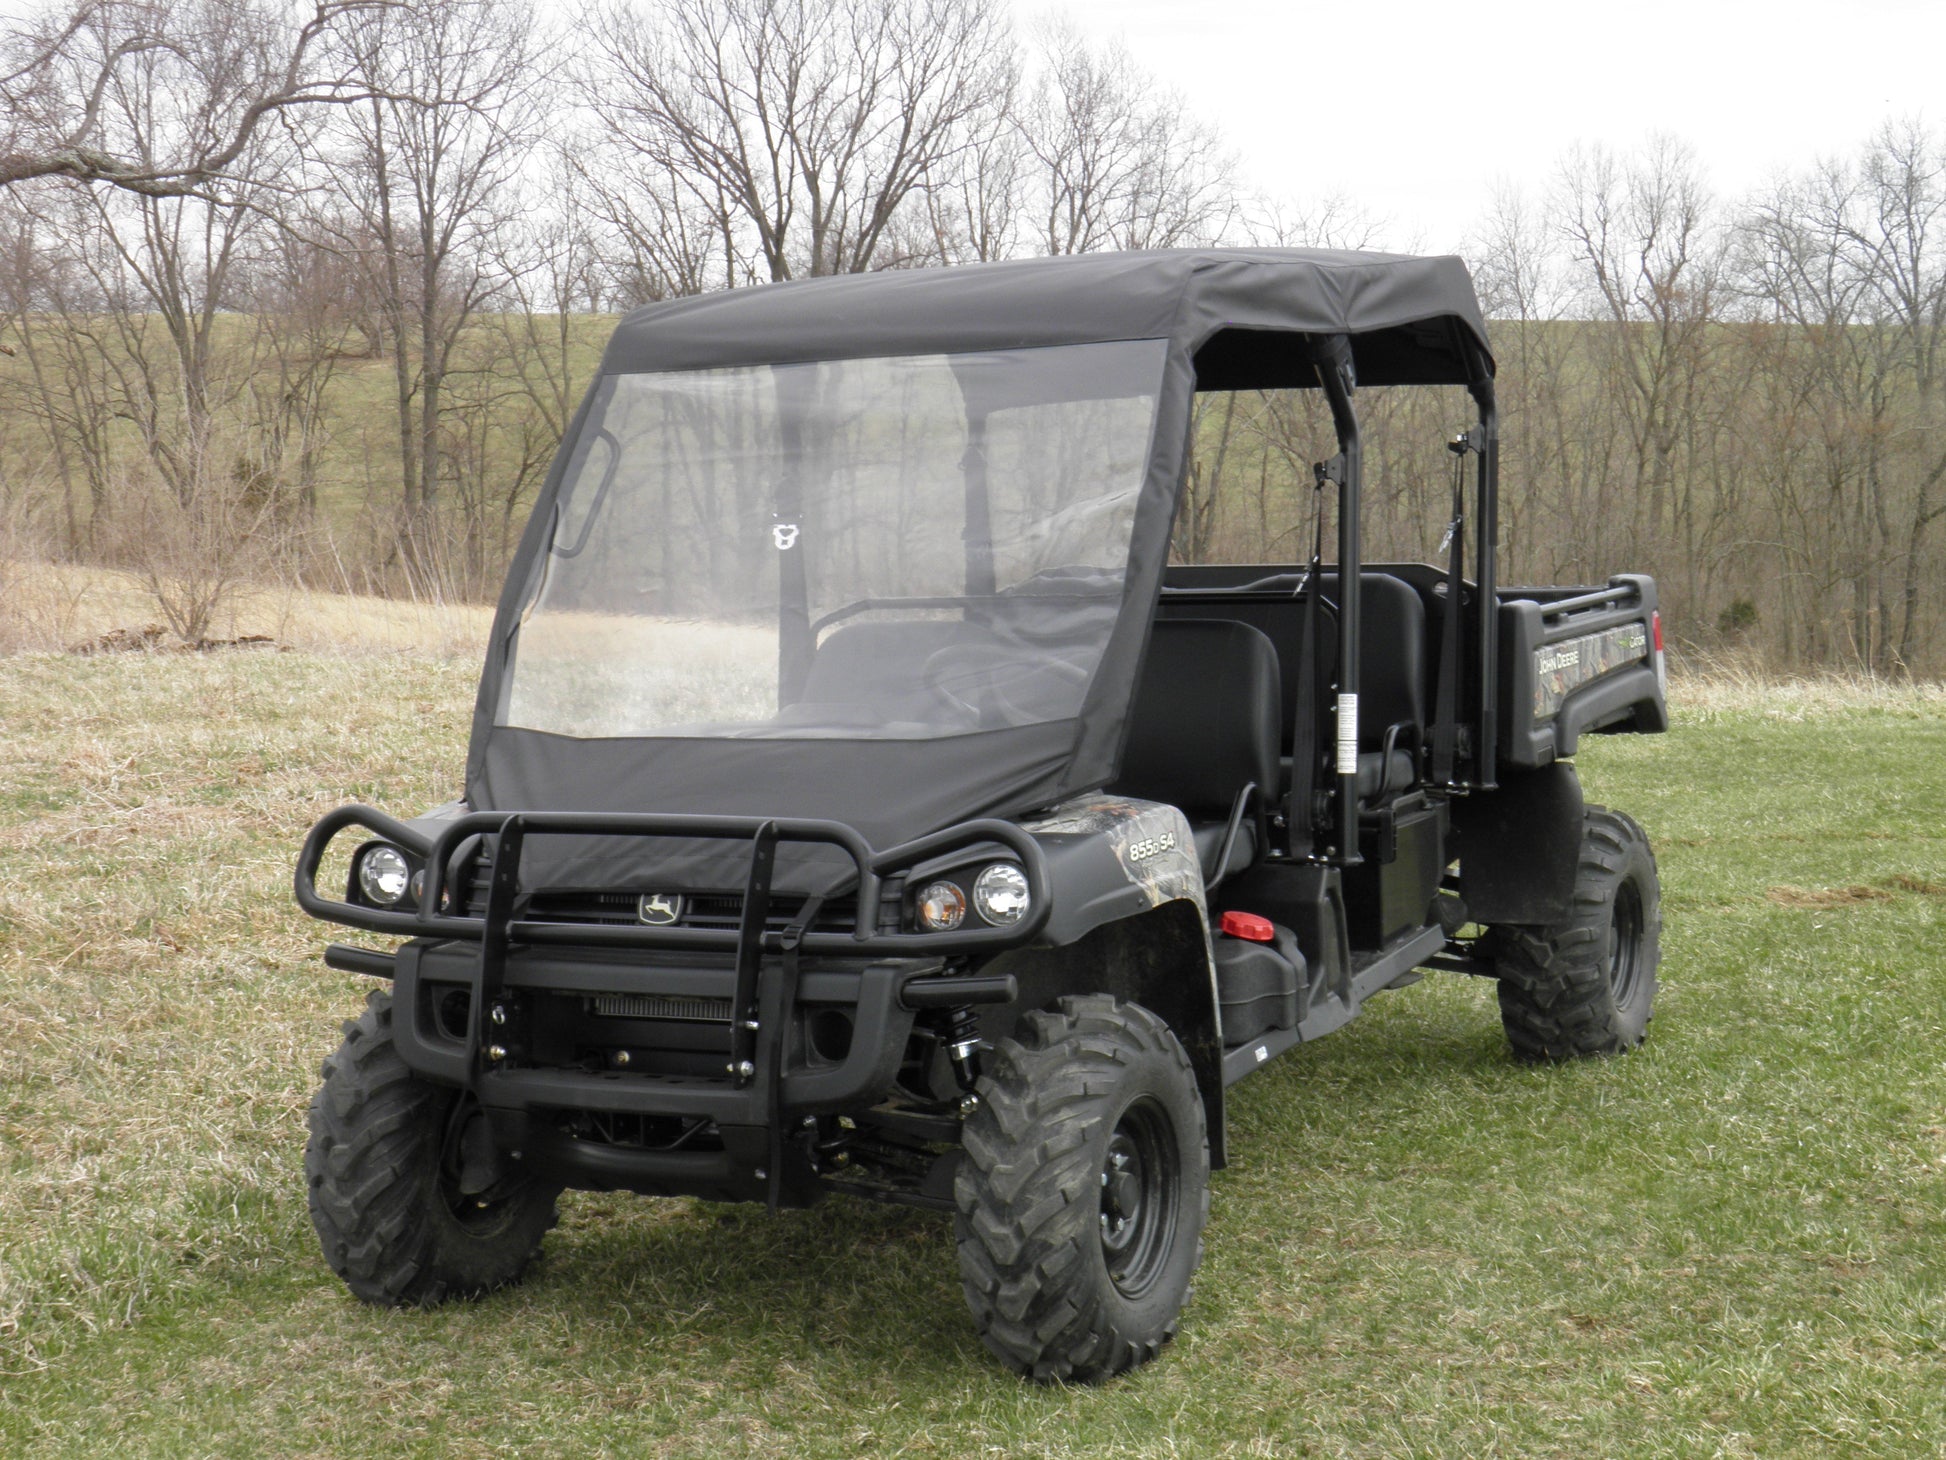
(1726, 1244)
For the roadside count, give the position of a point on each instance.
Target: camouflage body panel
(1151, 841)
(1561, 669)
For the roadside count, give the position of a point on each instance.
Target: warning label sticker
(1347, 735)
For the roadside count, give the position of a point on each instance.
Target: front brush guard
(765, 959)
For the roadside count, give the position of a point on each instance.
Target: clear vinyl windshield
(887, 548)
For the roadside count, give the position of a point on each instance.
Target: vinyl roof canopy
(1412, 321)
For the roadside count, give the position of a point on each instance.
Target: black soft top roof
(1231, 319)
(1413, 321)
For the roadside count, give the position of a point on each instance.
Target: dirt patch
(1919, 884)
(149, 638)
(1788, 896)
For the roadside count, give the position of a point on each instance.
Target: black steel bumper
(765, 1080)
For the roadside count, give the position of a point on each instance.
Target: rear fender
(1519, 845)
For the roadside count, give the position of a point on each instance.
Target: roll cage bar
(1331, 358)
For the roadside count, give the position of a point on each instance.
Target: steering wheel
(1001, 684)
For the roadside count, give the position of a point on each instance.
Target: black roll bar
(1335, 375)
(1486, 748)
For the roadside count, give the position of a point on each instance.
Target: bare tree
(306, 296)
(1525, 289)
(1333, 221)
(1846, 260)
(665, 238)
(973, 211)
(238, 64)
(422, 175)
(1906, 173)
(1119, 163)
(795, 130)
(1643, 236)
(35, 281)
(535, 353)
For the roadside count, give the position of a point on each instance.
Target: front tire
(1586, 986)
(1083, 1191)
(411, 1203)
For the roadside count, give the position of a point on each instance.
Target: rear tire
(411, 1203)
(1083, 1191)
(1586, 986)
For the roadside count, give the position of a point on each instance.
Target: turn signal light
(940, 907)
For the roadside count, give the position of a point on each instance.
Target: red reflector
(1656, 619)
(1249, 925)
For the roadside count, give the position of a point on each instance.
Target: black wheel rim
(1625, 945)
(485, 1210)
(1140, 1181)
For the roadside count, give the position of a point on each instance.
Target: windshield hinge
(1330, 471)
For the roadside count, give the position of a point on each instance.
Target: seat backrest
(1392, 644)
(1278, 617)
(1206, 717)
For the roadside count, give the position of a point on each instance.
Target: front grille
(703, 910)
(718, 910)
(659, 1006)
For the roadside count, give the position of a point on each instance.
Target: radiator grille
(659, 1006)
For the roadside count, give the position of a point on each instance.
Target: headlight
(1001, 894)
(940, 906)
(384, 875)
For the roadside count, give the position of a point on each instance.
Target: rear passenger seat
(1393, 665)
(1391, 683)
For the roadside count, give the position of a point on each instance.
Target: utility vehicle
(859, 800)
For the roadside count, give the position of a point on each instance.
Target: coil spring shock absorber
(960, 1033)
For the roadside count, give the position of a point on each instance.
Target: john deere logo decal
(659, 909)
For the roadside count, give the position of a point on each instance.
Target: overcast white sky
(1414, 109)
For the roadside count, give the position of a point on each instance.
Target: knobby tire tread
(1556, 1002)
(1028, 1192)
(371, 1169)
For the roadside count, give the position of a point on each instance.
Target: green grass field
(1732, 1242)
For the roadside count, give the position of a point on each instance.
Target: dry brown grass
(1919, 884)
(52, 607)
(161, 1006)
(1710, 687)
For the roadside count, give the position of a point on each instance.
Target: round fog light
(384, 875)
(1001, 894)
(941, 907)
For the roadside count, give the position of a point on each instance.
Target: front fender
(1129, 919)
(1112, 857)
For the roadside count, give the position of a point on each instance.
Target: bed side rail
(1577, 661)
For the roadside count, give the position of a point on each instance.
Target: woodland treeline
(311, 291)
